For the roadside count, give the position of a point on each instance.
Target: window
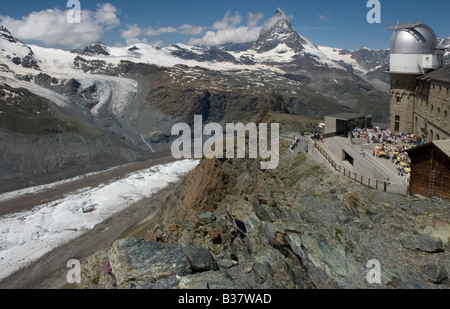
(397, 123)
(399, 99)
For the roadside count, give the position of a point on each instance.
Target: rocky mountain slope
(231, 225)
(42, 143)
(133, 96)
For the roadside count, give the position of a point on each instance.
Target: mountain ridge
(134, 95)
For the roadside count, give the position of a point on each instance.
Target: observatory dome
(413, 39)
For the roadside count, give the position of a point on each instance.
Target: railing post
(385, 186)
(377, 185)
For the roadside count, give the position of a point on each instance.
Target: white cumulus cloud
(107, 14)
(229, 31)
(135, 34)
(190, 29)
(228, 21)
(253, 19)
(241, 34)
(53, 29)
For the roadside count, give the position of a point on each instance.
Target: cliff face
(43, 143)
(299, 226)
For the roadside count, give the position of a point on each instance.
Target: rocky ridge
(300, 226)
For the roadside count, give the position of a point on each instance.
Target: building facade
(432, 106)
(420, 84)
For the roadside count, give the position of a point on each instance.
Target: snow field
(27, 236)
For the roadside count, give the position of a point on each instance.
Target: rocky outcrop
(135, 263)
(93, 50)
(422, 243)
(299, 226)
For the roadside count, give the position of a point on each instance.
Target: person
(363, 153)
(321, 138)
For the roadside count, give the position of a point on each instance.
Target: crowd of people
(391, 147)
(399, 158)
(384, 136)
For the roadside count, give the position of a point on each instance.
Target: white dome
(413, 39)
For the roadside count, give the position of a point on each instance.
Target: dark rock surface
(301, 226)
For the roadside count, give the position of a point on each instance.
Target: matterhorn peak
(279, 13)
(278, 31)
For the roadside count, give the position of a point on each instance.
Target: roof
(439, 75)
(413, 39)
(404, 26)
(443, 145)
(346, 116)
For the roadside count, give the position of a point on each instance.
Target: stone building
(432, 106)
(420, 95)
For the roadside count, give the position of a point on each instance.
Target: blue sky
(340, 24)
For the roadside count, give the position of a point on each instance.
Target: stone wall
(361, 165)
(402, 101)
(431, 112)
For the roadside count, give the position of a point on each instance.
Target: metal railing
(366, 181)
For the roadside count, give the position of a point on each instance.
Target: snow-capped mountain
(446, 44)
(15, 50)
(95, 75)
(93, 50)
(125, 100)
(281, 33)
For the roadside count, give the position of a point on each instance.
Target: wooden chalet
(430, 169)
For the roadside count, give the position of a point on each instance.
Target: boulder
(423, 243)
(226, 263)
(201, 259)
(136, 259)
(434, 273)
